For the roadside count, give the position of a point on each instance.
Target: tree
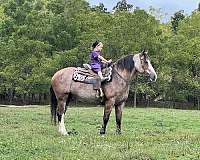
(190, 30)
(178, 16)
(100, 8)
(123, 6)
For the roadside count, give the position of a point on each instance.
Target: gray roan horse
(115, 92)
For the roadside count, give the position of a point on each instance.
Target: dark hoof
(118, 132)
(73, 132)
(102, 131)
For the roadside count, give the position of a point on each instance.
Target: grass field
(148, 134)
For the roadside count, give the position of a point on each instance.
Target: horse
(115, 92)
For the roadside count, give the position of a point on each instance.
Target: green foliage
(181, 62)
(40, 37)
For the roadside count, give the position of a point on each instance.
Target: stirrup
(99, 93)
(104, 79)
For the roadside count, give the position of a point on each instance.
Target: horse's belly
(83, 92)
(85, 96)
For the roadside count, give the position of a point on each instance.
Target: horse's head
(143, 65)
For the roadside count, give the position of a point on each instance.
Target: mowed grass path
(148, 134)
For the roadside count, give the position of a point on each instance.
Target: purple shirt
(95, 61)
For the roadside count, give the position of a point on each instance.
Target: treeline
(39, 37)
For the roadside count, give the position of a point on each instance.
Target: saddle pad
(87, 76)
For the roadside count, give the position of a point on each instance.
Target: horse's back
(66, 72)
(62, 79)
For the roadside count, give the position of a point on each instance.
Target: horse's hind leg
(69, 97)
(118, 114)
(61, 113)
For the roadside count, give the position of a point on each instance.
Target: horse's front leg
(118, 114)
(107, 111)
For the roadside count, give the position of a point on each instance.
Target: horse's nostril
(153, 77)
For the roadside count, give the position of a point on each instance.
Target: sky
(168, 7)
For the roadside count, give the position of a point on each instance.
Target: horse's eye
(146, 62)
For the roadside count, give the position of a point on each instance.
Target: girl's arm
(103, 59)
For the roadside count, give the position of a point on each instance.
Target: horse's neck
(124, 74)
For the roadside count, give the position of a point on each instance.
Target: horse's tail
(53, 106)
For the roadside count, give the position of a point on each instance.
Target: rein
(129, 82)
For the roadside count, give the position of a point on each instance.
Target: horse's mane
(126, 63)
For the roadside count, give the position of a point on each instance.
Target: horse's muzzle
(153, 77)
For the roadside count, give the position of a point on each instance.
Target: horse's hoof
(62, 130)
(64, 133)
(102, 131)
(73, 132)
(118, 132)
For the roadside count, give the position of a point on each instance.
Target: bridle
(142, 61)
(129, 82)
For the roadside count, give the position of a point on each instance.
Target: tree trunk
(24, 98)
(148, 100)
(11, 94)
(40, 98)
(135, 98)
(32, 98)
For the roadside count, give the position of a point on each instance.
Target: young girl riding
(97, 59)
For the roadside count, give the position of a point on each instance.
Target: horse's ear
(143, 53)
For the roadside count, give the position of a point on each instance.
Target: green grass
(148, 134)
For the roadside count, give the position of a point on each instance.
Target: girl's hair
(95, 44)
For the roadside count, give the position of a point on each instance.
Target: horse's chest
(119, 93)
(121, 97)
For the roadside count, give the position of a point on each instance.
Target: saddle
(87, 75)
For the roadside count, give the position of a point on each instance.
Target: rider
(97, 59)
